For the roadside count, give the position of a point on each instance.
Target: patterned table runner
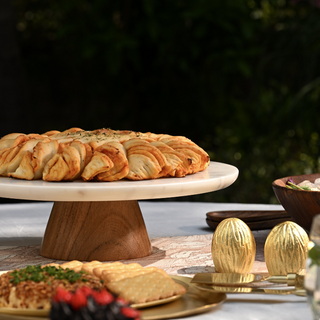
(182, 255)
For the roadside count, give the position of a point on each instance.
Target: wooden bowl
(302, 206)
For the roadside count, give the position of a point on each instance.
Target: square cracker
(117, 275)
(89, 266)
(114, 266)
(146, 287)
(74, 265)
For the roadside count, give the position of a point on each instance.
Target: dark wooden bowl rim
(281, 183)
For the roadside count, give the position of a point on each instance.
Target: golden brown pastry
(199, 158)
(99, 155)
(117, 155)
(180, 163)
(145, 160)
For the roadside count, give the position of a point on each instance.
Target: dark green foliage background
(240, 78)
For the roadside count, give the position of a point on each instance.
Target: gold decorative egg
(233, 247)
(286, 249)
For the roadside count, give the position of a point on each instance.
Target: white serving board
(216, 177)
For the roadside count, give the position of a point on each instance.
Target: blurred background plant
(240, 78)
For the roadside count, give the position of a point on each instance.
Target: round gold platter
(195, 301)
(155, 303)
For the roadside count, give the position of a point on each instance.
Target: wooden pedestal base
(104, 231)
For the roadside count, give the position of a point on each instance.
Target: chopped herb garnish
(37, 274)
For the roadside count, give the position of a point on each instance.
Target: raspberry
(62, 295)
(87, 291)
(103, 297)
(130, 312)
(78, 300)
(121, 301)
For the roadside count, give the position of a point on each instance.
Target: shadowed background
(239, 78)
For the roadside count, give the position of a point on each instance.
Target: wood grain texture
(302, 206)
(105, 231)
(256, 220)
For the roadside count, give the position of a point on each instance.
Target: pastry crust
(99, 155)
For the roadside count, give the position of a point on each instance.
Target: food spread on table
(115, 290)
(93, 287)
(131, 282)
(34, 286)
(96, 290)
(99, 155)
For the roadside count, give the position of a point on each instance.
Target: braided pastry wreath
(99, 155)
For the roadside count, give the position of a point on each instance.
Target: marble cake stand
(102, 220)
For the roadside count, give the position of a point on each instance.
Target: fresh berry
(78, 300)
(103, 297)
(87, 291)
(121, 301)
(86, 303)
(130, 312)
(62, 295)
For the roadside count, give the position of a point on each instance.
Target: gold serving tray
(161, 301)
(30, 314)
(227, 279)
(195, 301)
(295, 291)
(155, 303)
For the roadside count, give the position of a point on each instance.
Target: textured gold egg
(233, 247)
(286, 249)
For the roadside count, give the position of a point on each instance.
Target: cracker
(146, 287)
(57, 265)
(74, 265)
(117, 275)
(123, 267)
(89, 266)
(97, 271)
(113, 266)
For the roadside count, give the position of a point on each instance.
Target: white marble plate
(217, 176)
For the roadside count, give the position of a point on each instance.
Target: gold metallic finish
(193, 302)
(244, 279)
(227, 278)
(155, 303)
(233, 247)
(292, 279)
(161, 301)
(24, 312)
(286, 249)
(298, 292)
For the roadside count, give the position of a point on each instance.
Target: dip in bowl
(301, 205)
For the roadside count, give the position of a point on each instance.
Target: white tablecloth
(24, 224)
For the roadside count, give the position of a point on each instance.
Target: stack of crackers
(132, 282)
